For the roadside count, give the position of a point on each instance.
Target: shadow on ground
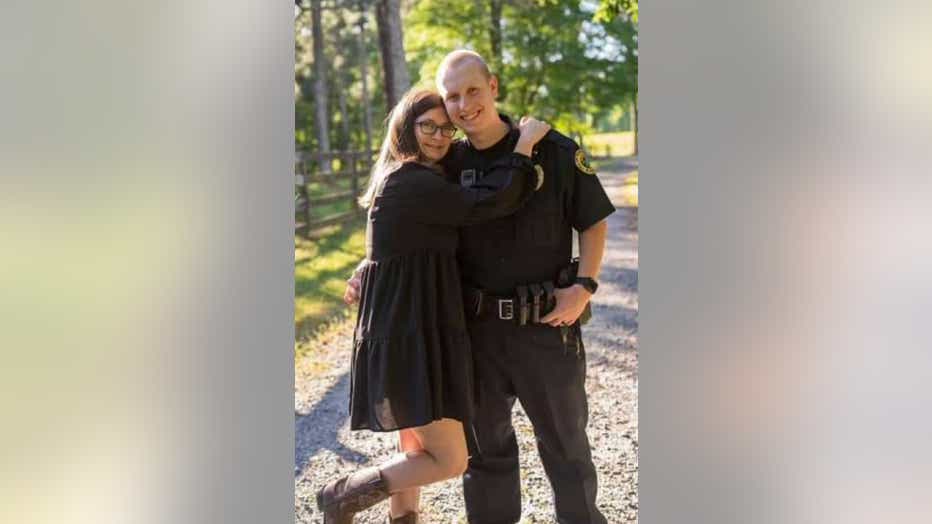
(319, 428)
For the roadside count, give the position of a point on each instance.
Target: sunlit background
(146, 270)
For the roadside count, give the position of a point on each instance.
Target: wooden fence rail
(328, 179)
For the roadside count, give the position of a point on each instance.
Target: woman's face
(430, 129)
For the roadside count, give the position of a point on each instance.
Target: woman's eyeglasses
(428, 127)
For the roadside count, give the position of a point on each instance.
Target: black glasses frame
(428, 127)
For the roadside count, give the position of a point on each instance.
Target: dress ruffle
(412, 361)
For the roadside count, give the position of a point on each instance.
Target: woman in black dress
(412, 363)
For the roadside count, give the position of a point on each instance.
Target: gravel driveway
(326, 449)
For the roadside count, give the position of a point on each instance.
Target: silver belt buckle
(506, 309)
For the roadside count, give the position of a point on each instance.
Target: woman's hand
(532, 131)
(353, 283)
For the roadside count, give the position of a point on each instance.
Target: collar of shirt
(506, 143)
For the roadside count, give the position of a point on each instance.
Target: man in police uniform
(542, 362)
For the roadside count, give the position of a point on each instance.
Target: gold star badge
(582, 163)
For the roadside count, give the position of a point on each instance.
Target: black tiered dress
(412, 362)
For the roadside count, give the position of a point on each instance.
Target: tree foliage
(609, 9)
(573, 63)
(558, 61)
(345, 48)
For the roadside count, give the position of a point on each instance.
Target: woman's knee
(458, 466)
(446, 444)
(451, 463)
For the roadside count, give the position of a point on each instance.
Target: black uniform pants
(532, 364)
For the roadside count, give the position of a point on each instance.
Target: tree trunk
(321, 115)
(532, 88)
(364, 76)
(495, 38)
(346, 138)
(391, 45)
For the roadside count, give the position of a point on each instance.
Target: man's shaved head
(462, 57)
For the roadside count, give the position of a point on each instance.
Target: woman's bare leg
(408, 500)
(443, 456)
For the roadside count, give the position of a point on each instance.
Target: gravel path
(326, 449)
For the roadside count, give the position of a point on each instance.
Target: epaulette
(560, 139)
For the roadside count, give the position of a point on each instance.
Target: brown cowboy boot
(344, 497)
(407, 518)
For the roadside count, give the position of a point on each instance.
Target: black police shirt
(533, 244)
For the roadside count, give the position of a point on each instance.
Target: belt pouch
(550, 300)
(522, 305)
(537, 292)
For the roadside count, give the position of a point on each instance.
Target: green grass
(324, 210)
(333, 185)
(610, 144)
(322, 266)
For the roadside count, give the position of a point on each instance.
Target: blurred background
(571, 63)
(145, 261)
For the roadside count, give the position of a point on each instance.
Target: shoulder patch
(582, 163)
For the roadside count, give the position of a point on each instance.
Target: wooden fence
(327, 186)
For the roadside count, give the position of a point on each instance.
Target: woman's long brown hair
(400, 144)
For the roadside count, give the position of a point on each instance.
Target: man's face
(469, 97)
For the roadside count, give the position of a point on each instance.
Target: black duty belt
(530, 305)
(505, 308)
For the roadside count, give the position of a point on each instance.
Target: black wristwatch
(588, 283)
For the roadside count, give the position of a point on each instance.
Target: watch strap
(590, 284)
